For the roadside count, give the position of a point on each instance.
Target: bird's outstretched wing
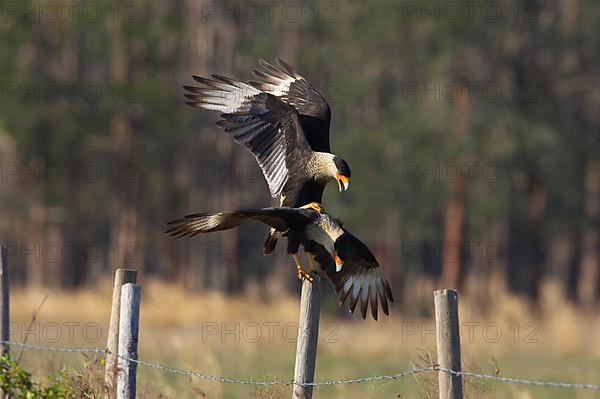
(284, 82)
(264, 124)
(280, 219)
(359, 280)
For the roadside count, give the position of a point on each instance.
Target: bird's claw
(304, 275)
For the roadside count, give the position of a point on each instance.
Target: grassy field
(250, 339)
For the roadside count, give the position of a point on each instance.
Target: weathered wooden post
(128, 340)
(448, 343)
(122, 276)
(5, 298)
(308, 333)
(4, 306)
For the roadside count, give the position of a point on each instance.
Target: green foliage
(18, 383)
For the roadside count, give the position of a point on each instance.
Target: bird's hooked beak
(343, 182)
(338, 262)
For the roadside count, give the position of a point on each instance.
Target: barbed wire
(551, 384)
(413, 371)
(192, 373)
(53, 348)
(277, 382)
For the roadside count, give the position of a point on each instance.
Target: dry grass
(271, 392)
(87, 380)
(472, 388)
(172, 321)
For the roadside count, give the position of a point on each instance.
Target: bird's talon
(302, 275)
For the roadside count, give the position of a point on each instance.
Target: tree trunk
(525, 251)
(126, 239)
(454, 223)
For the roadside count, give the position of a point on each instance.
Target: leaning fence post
(308, 332)
(448, 343)
(128, 340)
(4, 306)
(122, 276)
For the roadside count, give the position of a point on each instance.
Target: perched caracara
(348, 262)
(284, 121)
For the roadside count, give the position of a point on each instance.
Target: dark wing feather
(284, 82)
(359, 281)
(280, 219)
(264, 124)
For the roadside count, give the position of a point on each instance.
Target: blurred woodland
(474, 141)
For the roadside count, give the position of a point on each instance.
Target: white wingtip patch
(226, 97)
(282, 88)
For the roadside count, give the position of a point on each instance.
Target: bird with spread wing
(284, 122)
(345, 259)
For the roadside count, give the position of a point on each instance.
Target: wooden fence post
(4, 306)
(308, 332)
(448, 343)
(5, 298)
(128, 340)
(122, 276)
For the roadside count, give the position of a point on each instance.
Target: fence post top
(129, 287)
(122, 276)
(446, 291)
(124, 270)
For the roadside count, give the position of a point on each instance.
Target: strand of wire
(552, 384)
(53, 348)
(414, 371)
(279, 382)
(191, 373)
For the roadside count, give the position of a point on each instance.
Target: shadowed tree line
(473, 141)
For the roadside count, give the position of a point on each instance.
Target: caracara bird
(284, 122)
(348, 262)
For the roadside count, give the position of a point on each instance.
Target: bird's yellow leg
(315, 206)
(302, 274)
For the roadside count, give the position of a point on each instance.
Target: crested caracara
(348, 262)
(284, 122)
